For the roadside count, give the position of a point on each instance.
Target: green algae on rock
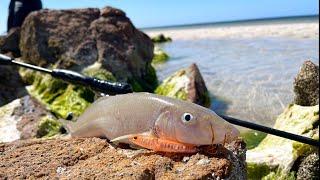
(96, 71)
(138, 84)
(48, 127)
(60, 97)
(186, 84)
(252, 138)
(160, 39)
(277, 155)
(75, 99)
(159, 56)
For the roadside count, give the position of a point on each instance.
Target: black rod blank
(272, 131)
(103, 86)
(29, 66)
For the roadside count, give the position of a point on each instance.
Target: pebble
(203, 162)
(185, 159)
(61, 170)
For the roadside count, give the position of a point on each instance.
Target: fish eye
(187, 117)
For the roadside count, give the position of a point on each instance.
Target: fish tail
(68, 125)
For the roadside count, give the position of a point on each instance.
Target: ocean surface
(249, 67)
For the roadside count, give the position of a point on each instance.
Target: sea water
(248, 67)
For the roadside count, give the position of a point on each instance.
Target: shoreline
(298, 30)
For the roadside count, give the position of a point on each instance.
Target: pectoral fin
(132, 136)
(149, 140)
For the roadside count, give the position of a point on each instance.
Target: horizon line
(229, 22)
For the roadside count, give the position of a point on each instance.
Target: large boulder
(306, 85)
(74, 39)
(186, 84)
(274, 157)
(93, 158)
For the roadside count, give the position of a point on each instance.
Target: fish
(152, 121)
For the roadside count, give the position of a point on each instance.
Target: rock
(275, 156)
(309, 168)
(84, 158)
(30, 112)
(20, 119)
(108, 12)
(8, 129)
(96, 71)
(11, 85)
(10, 42)
(159, 56)
(186, 84)
(252, 138)
(161, 39)
(306, 85)
(2, 40)
(60, 97)
(74, 39)
(48, 127)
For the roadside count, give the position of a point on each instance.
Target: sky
(154, 13)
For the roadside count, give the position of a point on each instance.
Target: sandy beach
(293, 30)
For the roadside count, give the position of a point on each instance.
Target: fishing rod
(123, 88)
(272, 131)
(103, 86)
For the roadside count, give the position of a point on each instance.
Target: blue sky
(151, 13)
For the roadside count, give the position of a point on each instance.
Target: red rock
(95, 158)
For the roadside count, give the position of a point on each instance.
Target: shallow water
(248, 78)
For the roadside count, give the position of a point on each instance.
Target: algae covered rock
(274, 157)
(20, 119)
(77, 38)
(31, 112)
(48, 127)
(186, 84)
(159, 56)
(306, 85)
(160, 39)
(60, 97)
(253, 138)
